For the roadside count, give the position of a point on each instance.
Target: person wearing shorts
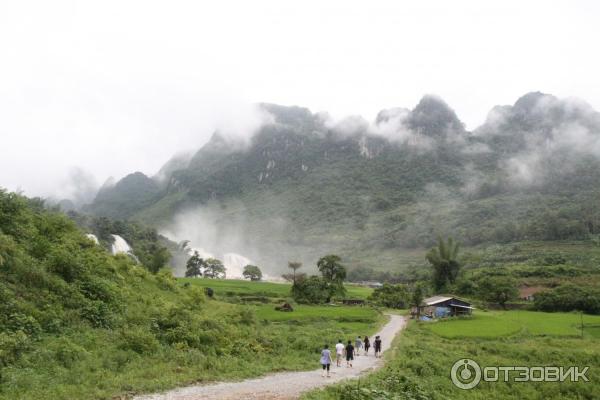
(325, 360)
(349, 354)
(339, 352)
(377, 346)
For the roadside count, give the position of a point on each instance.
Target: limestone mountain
(306, 184)
(128, 195)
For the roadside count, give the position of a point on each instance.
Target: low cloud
(390, 124)
(239, 124)
(223, 230)
(79, 186)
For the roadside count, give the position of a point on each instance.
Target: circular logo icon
(465, 374)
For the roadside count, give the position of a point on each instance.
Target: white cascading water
(120, 245)
(235, 263)
(92, 237)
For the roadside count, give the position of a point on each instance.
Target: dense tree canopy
(391, 296)
(334, 274)
(498, 289)
(214, 269)
(252, 272)
(311, 290)
(194, 266)
(569, 297)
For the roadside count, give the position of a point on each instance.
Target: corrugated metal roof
(460, 305)
(430, 301)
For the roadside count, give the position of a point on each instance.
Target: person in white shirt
(339, 352)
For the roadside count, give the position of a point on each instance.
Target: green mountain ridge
(305, 185)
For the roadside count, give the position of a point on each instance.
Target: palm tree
(294, 265)
(443, 258)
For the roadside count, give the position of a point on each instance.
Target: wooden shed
(444, 306)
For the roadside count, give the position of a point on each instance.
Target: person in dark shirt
(349, 354)
(367, 344)
(377, 346)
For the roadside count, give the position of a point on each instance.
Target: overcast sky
(111, 87)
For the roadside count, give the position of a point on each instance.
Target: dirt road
(285, 385)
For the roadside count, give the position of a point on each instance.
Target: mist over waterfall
(234, 264)
(211, 237)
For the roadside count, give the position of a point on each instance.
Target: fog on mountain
(305, 184)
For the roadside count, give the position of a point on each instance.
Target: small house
(444, 306)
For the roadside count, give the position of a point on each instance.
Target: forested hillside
(79, 323)
(368, 190)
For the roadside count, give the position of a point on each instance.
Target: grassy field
(348, 321)
(494, 324)
(418, 366)
(228, 287)
(307, 313)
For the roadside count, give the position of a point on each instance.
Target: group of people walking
(348, 351)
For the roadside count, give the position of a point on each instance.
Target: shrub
(24, 323)
(246, 316)
(569, 297)
(312, 290)
(166, 280)
(64, 264)
(392, 296)
(98, 314)
(68, 353)
(139, 340)
(98, 289)
(194, 298)
(11, 346)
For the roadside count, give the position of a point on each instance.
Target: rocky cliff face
(396, 182)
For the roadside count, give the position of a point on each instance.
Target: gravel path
(285, 385)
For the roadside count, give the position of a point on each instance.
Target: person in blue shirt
(325, 360)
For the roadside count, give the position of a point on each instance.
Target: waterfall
(92, 237)
(235, 263)
(120, 245)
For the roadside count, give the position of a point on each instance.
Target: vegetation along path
(286, 385)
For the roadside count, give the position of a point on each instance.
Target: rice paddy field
(418, 366)
(236, 287)
(493, 324)
(306, 321)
